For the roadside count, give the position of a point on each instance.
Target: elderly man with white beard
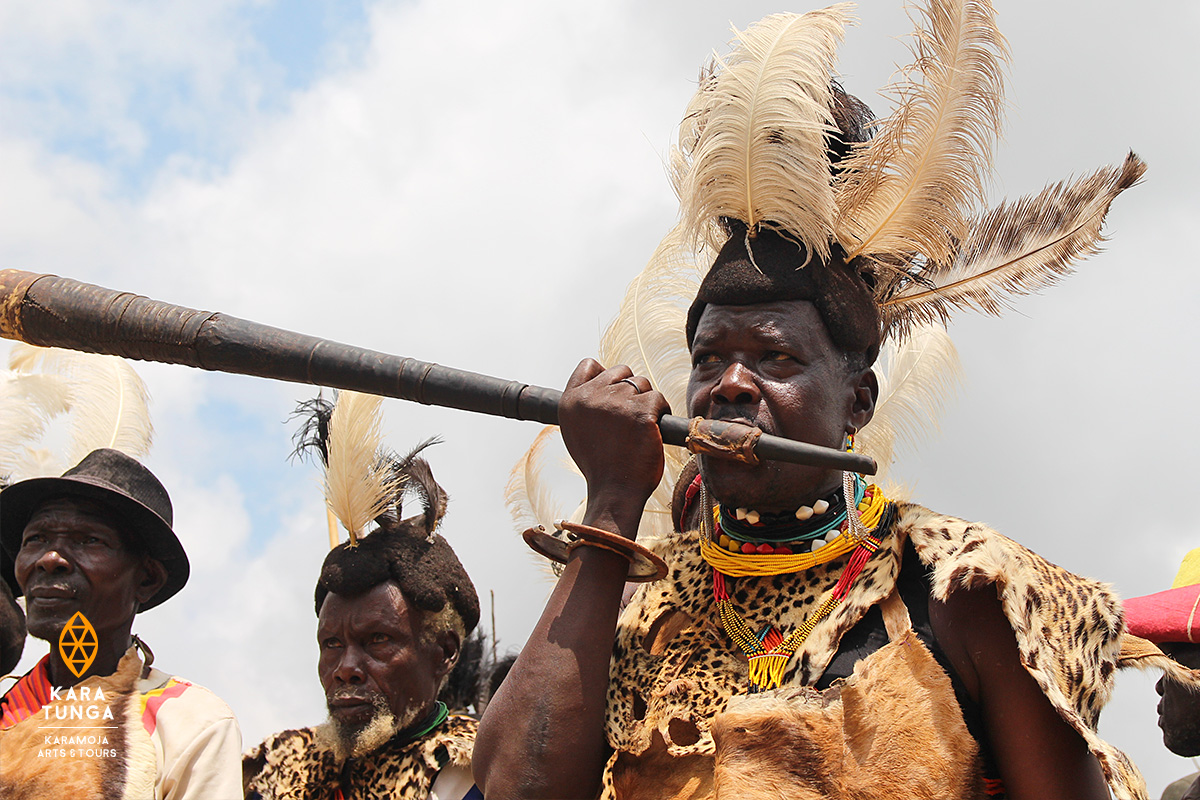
(393, 611)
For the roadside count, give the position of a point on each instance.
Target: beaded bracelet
(644, 565)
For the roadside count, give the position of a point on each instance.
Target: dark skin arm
(1040, 756)
(542, 735)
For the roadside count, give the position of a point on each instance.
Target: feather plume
(414, 474)
(359, 483)
(108, 401)
(313, 435)
(753, 142)
(909, 190)
(28, 403)
(1017, 248)
(648, 337)
(647, 334)
(529, 498)
(916, 377)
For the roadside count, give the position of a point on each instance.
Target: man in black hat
(89, 551)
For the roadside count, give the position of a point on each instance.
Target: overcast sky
(474, 183)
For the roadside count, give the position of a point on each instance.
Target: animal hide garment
(73, 749)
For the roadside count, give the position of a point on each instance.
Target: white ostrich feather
(916, 378)
(359, 482)
(753, 142)
(648, 337)
(647, 334)
(109, 404)
(910, 189)
(1017, 248)
(527, 496)
(28, 403)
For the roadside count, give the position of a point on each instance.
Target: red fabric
(1170, 616)
(27, 696)
(153, 700)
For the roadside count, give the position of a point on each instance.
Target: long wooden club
(50, 311)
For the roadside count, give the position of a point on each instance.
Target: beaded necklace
(769, 651)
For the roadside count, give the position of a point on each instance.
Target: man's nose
(52, 560)
(737, 385)
(349, 667)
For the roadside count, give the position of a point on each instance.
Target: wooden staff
(50, 311)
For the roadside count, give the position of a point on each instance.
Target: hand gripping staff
(50, 311)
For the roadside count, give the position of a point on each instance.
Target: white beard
(357, 741)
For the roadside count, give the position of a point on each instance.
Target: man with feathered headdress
(394, 610)
(813, 638)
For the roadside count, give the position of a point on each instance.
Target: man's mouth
(51, 593)
(353, 704)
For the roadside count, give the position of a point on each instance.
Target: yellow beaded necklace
(768, 653)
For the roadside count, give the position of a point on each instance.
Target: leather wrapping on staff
(725, 439)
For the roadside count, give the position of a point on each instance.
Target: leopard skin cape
(298, 765)
(673, 669)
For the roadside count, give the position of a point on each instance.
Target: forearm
(543, 734)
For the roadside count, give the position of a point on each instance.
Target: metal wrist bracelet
(644, 565)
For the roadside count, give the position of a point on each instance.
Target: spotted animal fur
(297, 765)
(674, 668)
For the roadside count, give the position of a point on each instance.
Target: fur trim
(299, 765)
(27, 774)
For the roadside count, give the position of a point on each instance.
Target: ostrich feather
(416, 477)
(109, 403)
(359, 483)
(28, 403)
(753, 142)
(910, 189)
(312, 437)
(1017, 248)
(648, 336)
(527, 495)
(916, 377)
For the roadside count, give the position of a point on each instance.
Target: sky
(474, 184)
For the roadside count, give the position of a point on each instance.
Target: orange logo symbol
(77, 644)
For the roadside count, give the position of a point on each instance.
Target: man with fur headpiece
(90, 550)
(394, 609)
(814, 638)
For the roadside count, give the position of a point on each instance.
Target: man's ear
(154, 577)
(866, 392)
(449, 647)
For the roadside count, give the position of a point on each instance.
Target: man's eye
(380, 638)
(705, 358)
(775, 355)
(330, 644)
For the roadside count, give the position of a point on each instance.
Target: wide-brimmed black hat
(139, 503)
